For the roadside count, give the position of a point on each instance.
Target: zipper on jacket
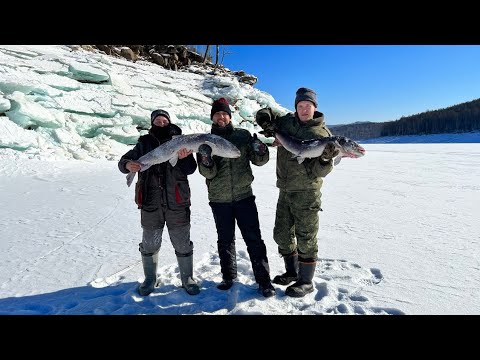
(231, 178)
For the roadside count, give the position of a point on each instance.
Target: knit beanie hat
(305, 94)
(220, 105)
(159, 112)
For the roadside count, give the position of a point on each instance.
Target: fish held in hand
(168, 151)
(312, 148)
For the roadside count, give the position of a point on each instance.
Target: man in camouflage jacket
(299, 199)
(231, 197)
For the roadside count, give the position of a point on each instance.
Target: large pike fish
(302, 149)
(168, 150)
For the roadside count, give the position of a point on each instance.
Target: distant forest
(460, 118)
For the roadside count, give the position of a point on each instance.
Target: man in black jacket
(163, 195)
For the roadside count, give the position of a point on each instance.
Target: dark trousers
(245, 213)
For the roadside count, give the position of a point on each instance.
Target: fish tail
(130, 177)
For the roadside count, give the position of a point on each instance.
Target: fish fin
(337, 160)
(173, 160)
(298, 158)
(130, 177)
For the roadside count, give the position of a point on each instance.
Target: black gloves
(205, 155)
(258, 146)
(329, 152)
(264, 120)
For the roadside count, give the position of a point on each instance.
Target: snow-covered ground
(398, 232)
(398, 235)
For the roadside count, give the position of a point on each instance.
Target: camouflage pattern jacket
(231, 179)
(292, 176)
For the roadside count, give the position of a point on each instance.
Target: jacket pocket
(180, 196)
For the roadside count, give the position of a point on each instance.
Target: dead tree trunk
(206, 53)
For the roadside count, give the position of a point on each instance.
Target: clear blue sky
(364, 83)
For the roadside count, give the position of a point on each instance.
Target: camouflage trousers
(297, 217)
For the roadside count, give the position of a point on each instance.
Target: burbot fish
(302, 149)
(168, 150)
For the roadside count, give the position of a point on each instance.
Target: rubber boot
(304, 284)
(150, 271)
(185, 264)
(291, 265)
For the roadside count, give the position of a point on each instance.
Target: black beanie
(305, 94)
(159, 112)
(220, 105)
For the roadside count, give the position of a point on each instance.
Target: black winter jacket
(162, 184)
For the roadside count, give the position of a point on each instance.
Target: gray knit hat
(306, 94)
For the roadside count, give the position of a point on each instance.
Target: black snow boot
(225, 284)
(266, 289)
(291, 265)
(304, 284)
(150, 270)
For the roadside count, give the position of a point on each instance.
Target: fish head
(350, 148)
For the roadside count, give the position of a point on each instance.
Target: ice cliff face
(82, 104)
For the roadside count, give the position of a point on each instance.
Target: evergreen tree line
(460, 118)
